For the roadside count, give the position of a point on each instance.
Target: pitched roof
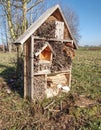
(39, 22)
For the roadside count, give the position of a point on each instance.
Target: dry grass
(19, 114)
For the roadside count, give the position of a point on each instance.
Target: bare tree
(73, 22)
(21, 8)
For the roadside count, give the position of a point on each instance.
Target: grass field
(81, 108)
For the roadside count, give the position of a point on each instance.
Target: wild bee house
(48, 49)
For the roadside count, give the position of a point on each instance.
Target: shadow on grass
(10, 76)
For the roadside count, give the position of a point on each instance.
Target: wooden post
(25, 78)
(28, 68)
(32, 66)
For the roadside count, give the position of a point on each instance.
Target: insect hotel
(48, 50)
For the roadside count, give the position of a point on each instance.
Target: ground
(80, 109)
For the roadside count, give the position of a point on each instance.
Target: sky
(89, 13)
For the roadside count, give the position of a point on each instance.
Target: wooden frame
(28, 68)
(32, 67)
(52, 39)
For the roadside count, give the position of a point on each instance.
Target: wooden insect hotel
(48, 50)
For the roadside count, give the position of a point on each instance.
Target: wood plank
(60, 78)
(26, 70)
(25, 83)
(28, 67)
(52, 39)
(32, 66)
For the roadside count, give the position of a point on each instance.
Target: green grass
(19, 114)
(87, 73)
(7, 64)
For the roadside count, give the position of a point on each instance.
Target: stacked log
(37, 46)
(47, 30)
(69, 51)
(36, 61)
(61, 61)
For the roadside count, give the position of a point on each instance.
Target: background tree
(73, 22)
(16, 13)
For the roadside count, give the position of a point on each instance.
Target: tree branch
(16, 6)
(36, 3)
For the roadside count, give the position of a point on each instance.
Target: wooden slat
(60, 78)
(31, 60)
(25, 83)
(26, 70)
(53, 39)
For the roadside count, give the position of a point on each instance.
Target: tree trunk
(24, 8)
(9, 17)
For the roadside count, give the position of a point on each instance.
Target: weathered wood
(27, 73)
(58, 15)
(59, 78)
(53, 39)
(31, 67)
(26, 58)
(52, 18)
(59, 40)
(67, 33)
(25, 78)
(59, 31)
